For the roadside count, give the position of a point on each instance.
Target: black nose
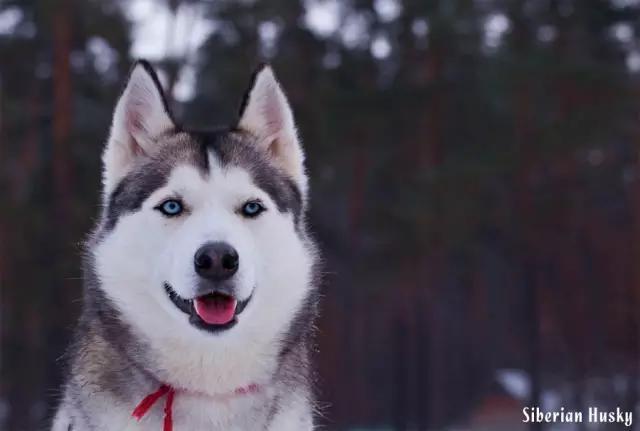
(216, 261)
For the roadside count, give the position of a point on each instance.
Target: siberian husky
(200, 277)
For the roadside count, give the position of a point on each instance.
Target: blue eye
(252, 209)
(170, 208)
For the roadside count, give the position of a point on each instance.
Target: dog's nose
(216, 261)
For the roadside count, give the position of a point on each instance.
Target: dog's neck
(131, 370)
(170, 393)
(190, 365)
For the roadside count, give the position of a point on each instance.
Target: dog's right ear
(267, 116)
(140, 117)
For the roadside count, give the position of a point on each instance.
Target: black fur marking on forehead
(233, 148)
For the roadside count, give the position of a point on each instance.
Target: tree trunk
(63, 297)
(62, 110)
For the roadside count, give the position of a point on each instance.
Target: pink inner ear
(272, 112)
(135, 126)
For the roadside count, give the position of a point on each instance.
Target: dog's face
(202, 235)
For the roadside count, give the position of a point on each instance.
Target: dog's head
(202, 235)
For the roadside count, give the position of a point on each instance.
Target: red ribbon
(148, 402)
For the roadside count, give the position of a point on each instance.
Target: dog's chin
(216, 311)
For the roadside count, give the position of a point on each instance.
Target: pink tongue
(215, 309)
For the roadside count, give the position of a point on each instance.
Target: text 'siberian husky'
(200, 277)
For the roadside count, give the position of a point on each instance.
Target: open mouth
(214, 311)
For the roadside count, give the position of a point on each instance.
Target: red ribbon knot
(145, 405)
(148, 402)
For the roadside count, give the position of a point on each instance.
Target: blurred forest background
(475, 188)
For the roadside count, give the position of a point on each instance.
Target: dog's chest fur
(197, 412)
(107, 385)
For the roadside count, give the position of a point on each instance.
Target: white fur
(198, 413)
(267, 115)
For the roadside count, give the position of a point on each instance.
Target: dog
(200, 278)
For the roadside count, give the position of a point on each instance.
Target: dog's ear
(265, 114)
(140, 117)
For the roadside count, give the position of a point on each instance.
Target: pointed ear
(267, 116)
(140, 117)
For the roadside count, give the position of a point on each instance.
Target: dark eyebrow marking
(131, 192)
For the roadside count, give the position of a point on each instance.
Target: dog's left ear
(267, 116)
(141, 116)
